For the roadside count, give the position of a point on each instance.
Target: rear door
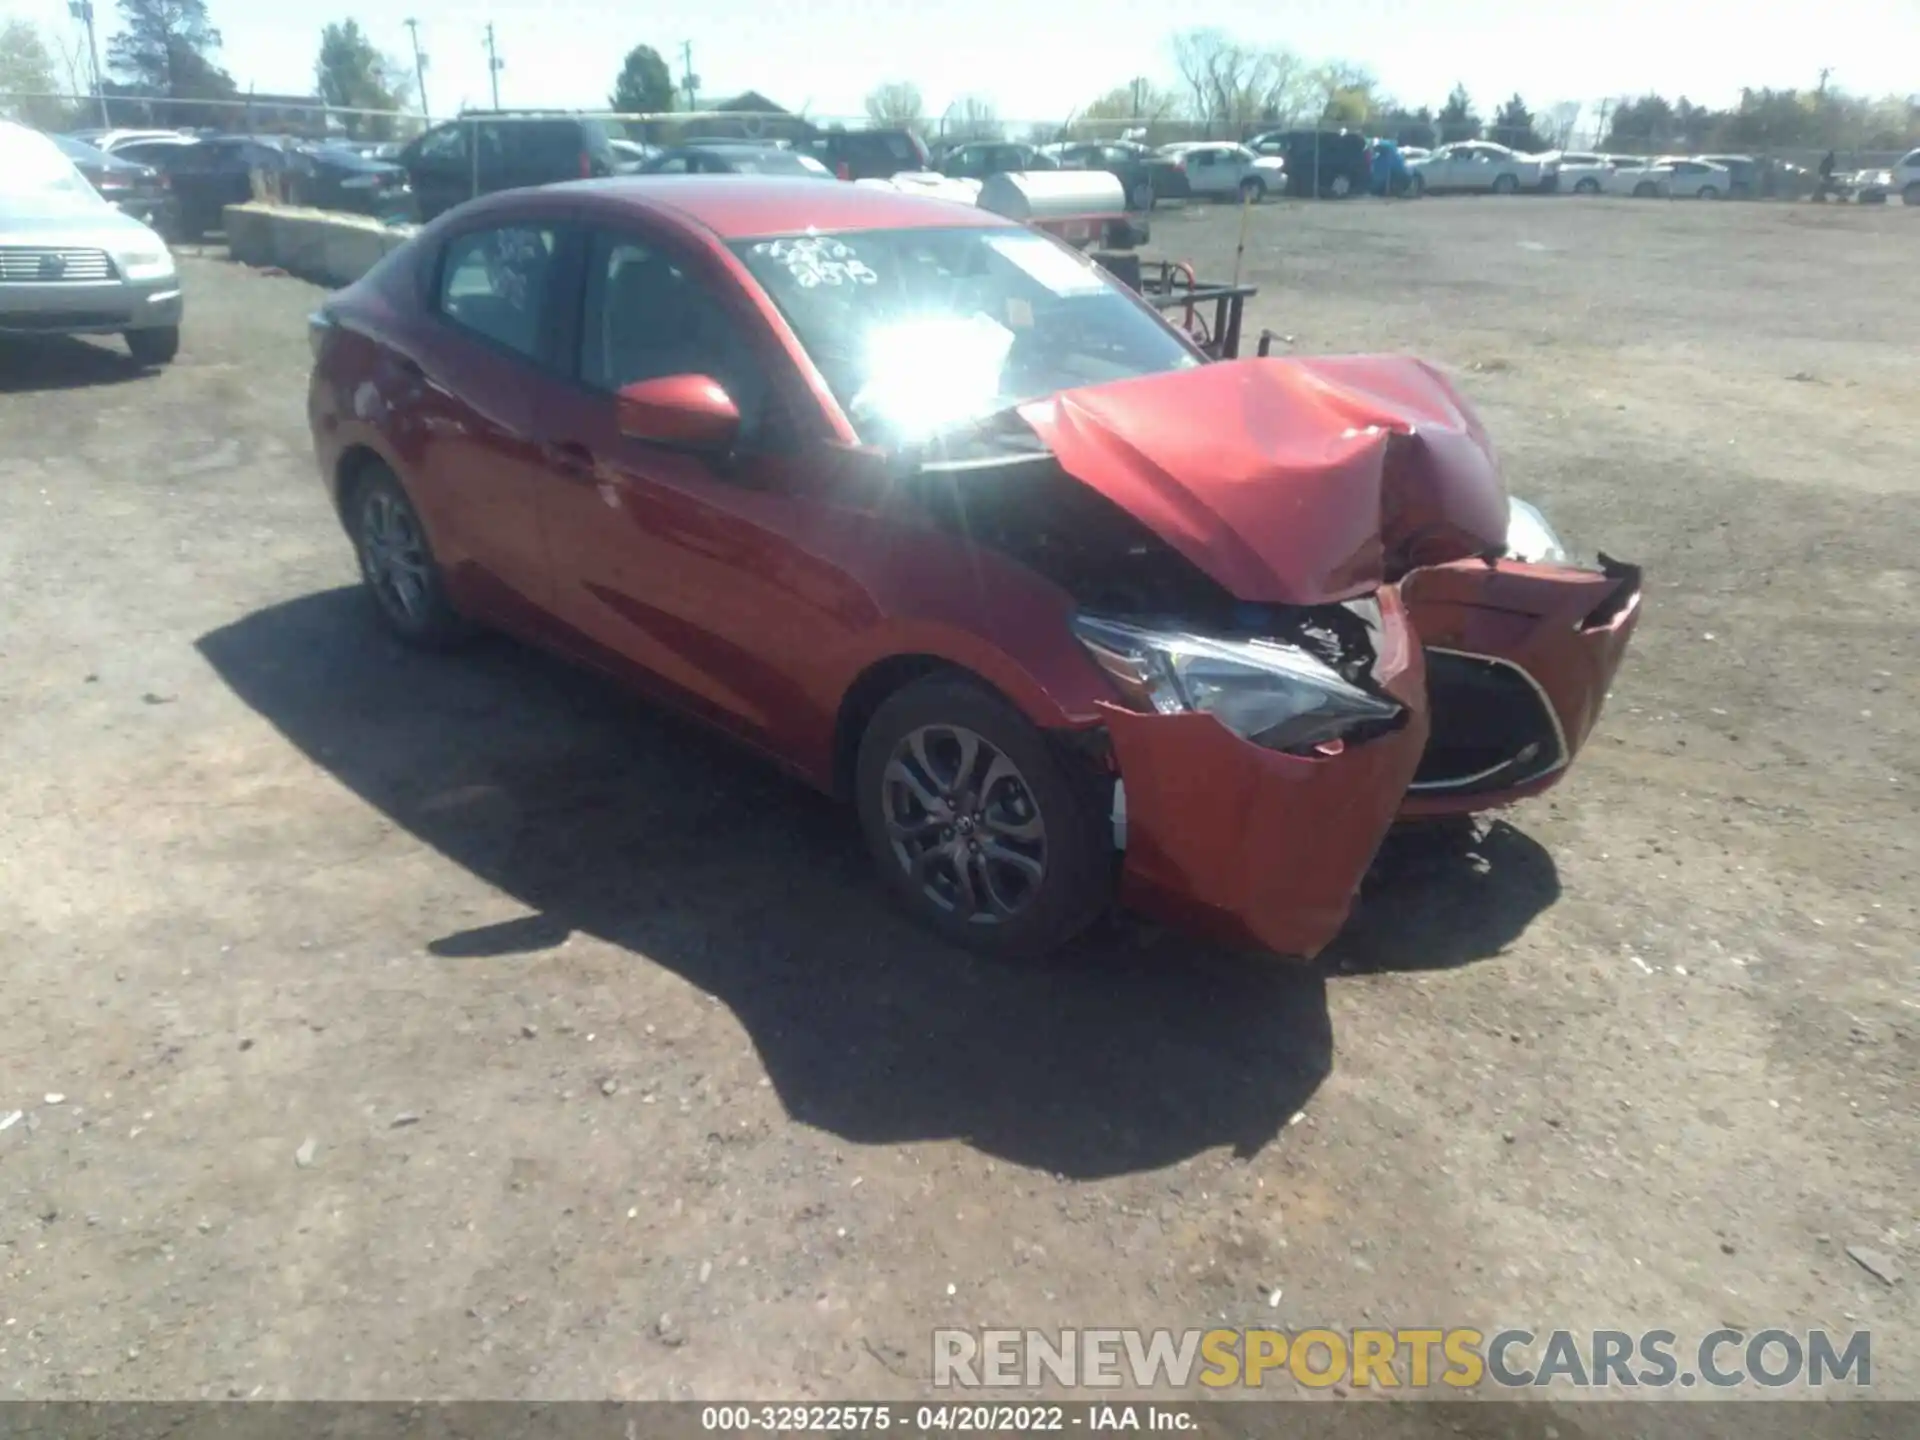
(475, 390)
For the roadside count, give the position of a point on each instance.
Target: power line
(419, 66)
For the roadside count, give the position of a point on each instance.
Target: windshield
(919, 331)
(35, 178)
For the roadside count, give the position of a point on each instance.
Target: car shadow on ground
(606, 817)
(62, 362)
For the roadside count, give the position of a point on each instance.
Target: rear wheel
(397, 563)
(977, 826)
(1911, 195)
(1341, 187)
(1707, 192)
(153, 347)
(1505, 184)
(1253, 189)
(1645, 189)
(1587, 186)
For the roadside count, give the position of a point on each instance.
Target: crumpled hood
(1289, 481)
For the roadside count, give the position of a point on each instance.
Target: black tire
(1706, 192)
(1253, 189)
(1586, 185)
(1911, 195)
(1340, 187)
(1506, 184)
(153, 347)
(1645, 189)
(1078, 860)
(430, 622)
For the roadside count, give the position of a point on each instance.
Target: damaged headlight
(1273, 694)
(1531, 538)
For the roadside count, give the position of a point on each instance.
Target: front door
(673, 566)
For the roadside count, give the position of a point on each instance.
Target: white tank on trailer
(1039, 195)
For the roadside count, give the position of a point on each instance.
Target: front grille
(1491, 727)
(30, 263)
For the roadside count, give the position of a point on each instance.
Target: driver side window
(647, 318)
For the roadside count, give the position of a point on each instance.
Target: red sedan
(929, 510)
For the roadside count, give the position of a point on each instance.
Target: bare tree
(896, 105)
(1563, 118)
(970, 118)
(1233, 87)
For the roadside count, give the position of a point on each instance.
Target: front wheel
(1645, 189)
(1587, 186)
(977, 826)
(1505, 184)
(397, 564)
(1707, 192)
(153, 347)
(1253, 190)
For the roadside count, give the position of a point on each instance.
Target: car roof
(737, 207)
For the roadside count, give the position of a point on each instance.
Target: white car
(1640, 176)
(1219, 170)
(1905, 177)
(1480, 165)
(1692, 179)
(1584, 172)
(71, 264)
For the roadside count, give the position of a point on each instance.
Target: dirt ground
(388, 1026)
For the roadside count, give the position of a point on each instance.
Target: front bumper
(1250, 846)
(106, 308)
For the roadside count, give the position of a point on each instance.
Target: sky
(1038, 62)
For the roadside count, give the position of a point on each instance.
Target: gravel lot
(388, 1026)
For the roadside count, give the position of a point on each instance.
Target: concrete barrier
(322, 245)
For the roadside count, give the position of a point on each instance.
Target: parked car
(870, 154)
(1745, 178)
(72, 264)
(1691, 178)
(1129, 164)
(218, 171)
(138, 190)
(1072, 611)
(1906, 177)
(1223, 170)
(630, 155)
(1332, 164)
(487, 151)
(111, 140)
(977, 159)
(1640, 176)
(1866, 187)
(1584, 172)
(1480, 165)
(733, 157)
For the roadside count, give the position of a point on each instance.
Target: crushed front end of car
(1319, 613)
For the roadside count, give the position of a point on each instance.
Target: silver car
(71, 264)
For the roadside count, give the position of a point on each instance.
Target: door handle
(569, 458)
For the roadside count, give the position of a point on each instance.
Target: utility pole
(419, 67)
(494, 66)
(82, 10)
(689, 81)
(1600, 124)
(1825, 71)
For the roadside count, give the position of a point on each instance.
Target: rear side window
(493, 284)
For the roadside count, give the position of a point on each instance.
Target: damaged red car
(938, 515)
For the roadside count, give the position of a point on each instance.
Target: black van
(488, 150)
(1332, 164)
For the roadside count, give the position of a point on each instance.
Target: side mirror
(686, 412)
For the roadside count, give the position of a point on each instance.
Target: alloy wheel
(963, 823)
(393, 557)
